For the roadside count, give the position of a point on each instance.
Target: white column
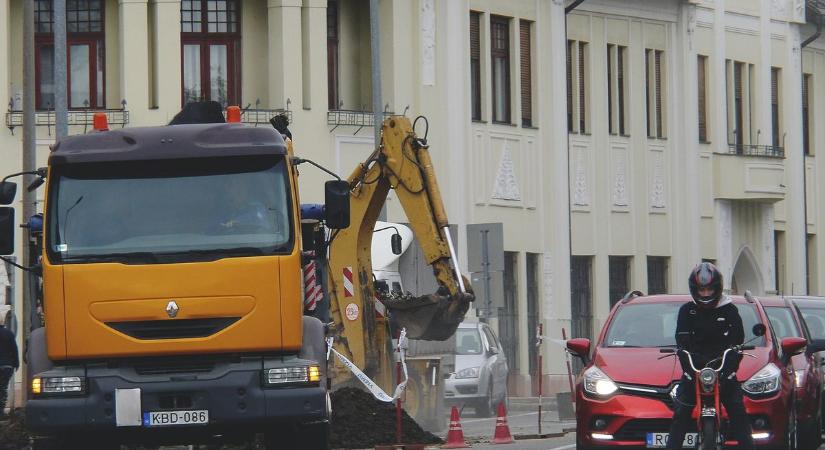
(720, 125)
(552, 79)
(285, 49)
(314, 23)
(134, 54)
(794, 170)
(168, 55)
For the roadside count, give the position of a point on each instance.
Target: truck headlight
(470, 372)
(58, 385)
(596, 382)
(283, 376)
(763, 382)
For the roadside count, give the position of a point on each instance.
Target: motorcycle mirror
(759, 329)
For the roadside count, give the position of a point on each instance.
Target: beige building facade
(617, 144)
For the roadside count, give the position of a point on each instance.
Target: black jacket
(707, 333)
(8, 349)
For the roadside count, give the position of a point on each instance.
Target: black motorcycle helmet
(706, 275)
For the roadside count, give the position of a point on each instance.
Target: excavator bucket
(433, 317)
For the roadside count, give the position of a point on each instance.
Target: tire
(709, 434)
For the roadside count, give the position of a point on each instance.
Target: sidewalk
(522, 419)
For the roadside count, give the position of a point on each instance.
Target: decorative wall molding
(581, 196)
(506, 186)
(657, 191)
(620, 197)
(547, 283)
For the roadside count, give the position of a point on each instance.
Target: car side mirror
(580, 347)
(336, 204)
(7, 192)
(6, 231)
(793, 346)
(493, 351)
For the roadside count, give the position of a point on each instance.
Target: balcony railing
(770, 151)
(76, 117)
(348, 117)
(255, 116)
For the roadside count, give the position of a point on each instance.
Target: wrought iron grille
(262, 116)
(349, 117)
(83, 117)
(770, 151)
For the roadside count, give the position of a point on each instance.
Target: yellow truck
(172, 277)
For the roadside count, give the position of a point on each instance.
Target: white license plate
(172, 418)
(659, 440)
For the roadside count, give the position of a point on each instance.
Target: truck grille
(164, 366)
(173, 329)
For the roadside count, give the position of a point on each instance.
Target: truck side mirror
(7, 192)
(336, 204)
(6, 231)
(395, 241)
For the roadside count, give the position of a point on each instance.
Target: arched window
(210, 50)
(86, 53)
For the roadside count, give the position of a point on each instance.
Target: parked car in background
(813, 313)
(623, 395)
(787, 321)
(480, 377)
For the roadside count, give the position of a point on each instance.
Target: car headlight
(282, 376)
(763, 382)
(58, 385)
(470, 372)
(596, 382)
(799, 377)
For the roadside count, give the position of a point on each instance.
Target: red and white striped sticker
(312, 289)
(380, 309)
(348, 289)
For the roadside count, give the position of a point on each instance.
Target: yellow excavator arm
(402, 162)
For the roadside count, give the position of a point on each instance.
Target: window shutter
(475, 63)
(620, 76)
(806, 144)
(610, 89)
(700, 65)
(647, 93)
(526, 78)
(569, 86)
(775, 106)
(658, 68)
(582, 87)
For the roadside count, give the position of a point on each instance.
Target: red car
(787, 321)
(623, 395)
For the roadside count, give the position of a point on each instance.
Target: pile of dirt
(361, 421)
(13, 434)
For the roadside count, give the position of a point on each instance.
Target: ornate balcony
(76, 118)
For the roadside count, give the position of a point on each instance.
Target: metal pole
(375, 45)
(61, 107)
(29, 160)
(485, 261)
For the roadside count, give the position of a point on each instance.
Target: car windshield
(467, 342)
(169, 211)
(654, 325)
(815, 320)
(782, 322)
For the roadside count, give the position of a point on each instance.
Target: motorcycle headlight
(763, 382)
(470, 372)
(799, 377)
(708, 378)
(596, 382)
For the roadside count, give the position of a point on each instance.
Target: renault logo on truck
(172, 309)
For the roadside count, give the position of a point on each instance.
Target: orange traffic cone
(502, 434)
(455, 436)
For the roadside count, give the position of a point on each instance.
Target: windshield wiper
(128, 257)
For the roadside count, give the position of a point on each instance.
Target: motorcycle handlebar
(735, 348)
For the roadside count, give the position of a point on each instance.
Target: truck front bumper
(233, 393)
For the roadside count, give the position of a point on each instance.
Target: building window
(616, 112)
(581, 300)
(500, 56)
(526, 74)
(86, 54)
(577, 94)
(619, 277)
(475, 64)
(210, 46)
(654, 93)
(776, 126)
(332, 55)
(701, 76)
(739, 76)
(806, 113)
(657, 274)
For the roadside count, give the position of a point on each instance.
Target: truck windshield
(170, 211)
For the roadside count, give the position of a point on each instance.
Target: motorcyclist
(707, 327)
